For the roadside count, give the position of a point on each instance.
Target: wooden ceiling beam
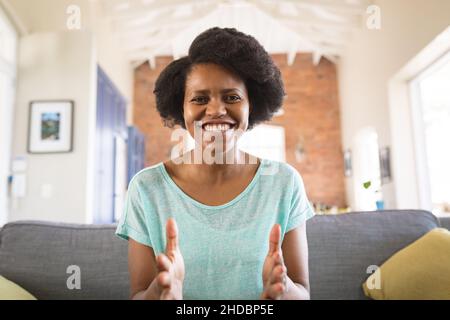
(340, 7)
(138, 10)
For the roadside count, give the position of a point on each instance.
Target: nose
(215, 108)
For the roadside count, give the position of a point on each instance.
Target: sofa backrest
(343, 247)
(37, 255)
(445, 222)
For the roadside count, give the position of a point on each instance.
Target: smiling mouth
(220, 127)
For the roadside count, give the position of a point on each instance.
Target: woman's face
(216, 101)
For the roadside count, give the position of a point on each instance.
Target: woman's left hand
(274, 271)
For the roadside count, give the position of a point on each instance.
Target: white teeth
(217, 127)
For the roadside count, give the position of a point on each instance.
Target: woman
(224, 227)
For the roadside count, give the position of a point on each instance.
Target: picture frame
(348, 163)
(385, 165)
(50, 126)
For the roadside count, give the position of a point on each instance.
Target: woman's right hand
(170, 265)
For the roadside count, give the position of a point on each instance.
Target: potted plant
(378, 194)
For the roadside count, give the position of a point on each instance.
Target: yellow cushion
(11, 291)
(418, 271)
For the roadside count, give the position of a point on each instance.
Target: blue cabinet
(136, 152)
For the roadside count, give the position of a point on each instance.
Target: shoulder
(279, 170)
(149, 176)
(282, 175)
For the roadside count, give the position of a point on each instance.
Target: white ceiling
(150, 28)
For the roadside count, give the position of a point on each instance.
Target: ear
(184, 119)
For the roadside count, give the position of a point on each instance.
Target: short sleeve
(132, 224)
(300, 209)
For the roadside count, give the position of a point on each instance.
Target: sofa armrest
(445, 222)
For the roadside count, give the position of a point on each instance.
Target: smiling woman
(222, 109)
(221, 229)
(242, 56)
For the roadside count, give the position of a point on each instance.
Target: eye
(200, 100)
(232, 98)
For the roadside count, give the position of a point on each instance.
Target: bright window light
(265, 141)
(434, 100)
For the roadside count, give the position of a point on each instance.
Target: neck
(217, 172)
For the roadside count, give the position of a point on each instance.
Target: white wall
(370, 61)
(51, 16)
(56, 65)
(110, 57)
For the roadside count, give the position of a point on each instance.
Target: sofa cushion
(418, 272)
(11, 291)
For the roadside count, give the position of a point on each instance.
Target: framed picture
(347, 163)
(50, 126)
(385, 165)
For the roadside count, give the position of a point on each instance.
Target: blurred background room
(366, 120)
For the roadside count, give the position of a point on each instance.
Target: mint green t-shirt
(224, 246)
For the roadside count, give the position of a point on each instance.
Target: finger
(274, 260)
(164, 281)
(278, 275)
(264, 295)
(171, 235)
(275, 291)
(278, 258)
(166, 295)
(274, 239)
(163, 262)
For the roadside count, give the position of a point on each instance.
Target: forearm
(295, 291)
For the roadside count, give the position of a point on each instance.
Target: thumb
(274, 239)
(171, 235)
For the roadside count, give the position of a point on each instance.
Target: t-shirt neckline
(184, 195)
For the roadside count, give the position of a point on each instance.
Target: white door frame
(7, 98)
(423, 174)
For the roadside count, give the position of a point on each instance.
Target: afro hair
(234, 50)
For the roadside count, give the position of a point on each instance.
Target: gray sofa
(36, 255)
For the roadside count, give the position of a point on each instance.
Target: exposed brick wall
(311, 116)
(145, 115)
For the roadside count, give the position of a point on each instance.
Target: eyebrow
(206, 91)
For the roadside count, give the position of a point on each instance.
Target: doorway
(366, 170)
(110, 152)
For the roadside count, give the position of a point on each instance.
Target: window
(431, 102)
(264, 141)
